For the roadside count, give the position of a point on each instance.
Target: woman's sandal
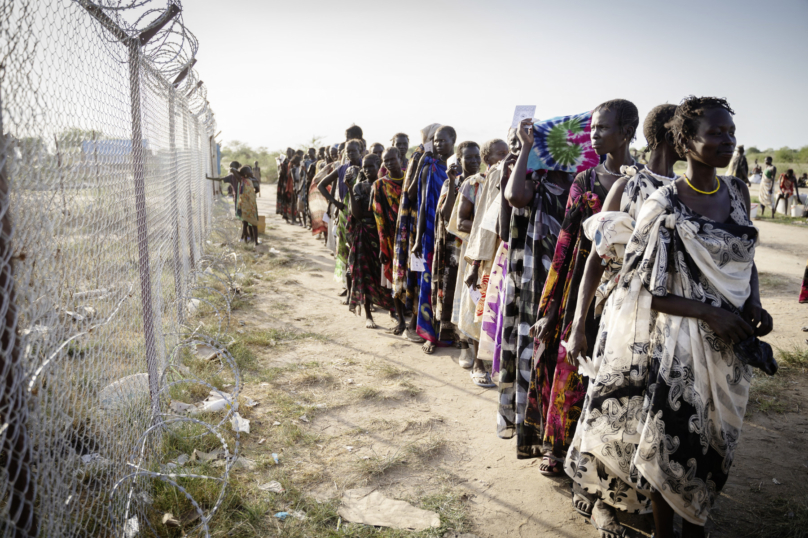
(412, 336)
(605, 532)
(482, 379)
(550, 467)
(582, 502)
(398, 330)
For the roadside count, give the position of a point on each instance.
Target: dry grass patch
(769, 394)
(422, 425)
(310, 378)
(409, 389)
(385, 370)
(368, 393)
(426, 449)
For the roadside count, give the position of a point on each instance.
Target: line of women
(614, 305)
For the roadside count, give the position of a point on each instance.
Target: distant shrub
(784, 155)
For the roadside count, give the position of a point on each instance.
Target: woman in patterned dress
(248, 209)
(610, 231)
(336, 180)
(385, 199)
(557, 390)
(686, 306)
(406, 280)
(538, 199)
(788, 186)
(366, 268)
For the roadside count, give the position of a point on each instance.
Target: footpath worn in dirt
(384, 414)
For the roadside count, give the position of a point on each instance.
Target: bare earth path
(414, 424)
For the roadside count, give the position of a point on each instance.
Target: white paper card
(522, 112)
(428, 147)
(475, 294)
(326, 218)
(417, 264)
(537, 353)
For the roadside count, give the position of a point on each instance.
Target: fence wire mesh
(108, 291)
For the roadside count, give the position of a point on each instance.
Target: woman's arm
(421, 227)
(726, 325)
(323, 188)
(451, 194)
(593, 272)
(519, 191)
(505, 206)
(754, 312)
(412, 171)
(465, 214)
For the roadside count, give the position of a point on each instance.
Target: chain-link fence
(105, 141)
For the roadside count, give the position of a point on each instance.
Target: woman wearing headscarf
(556, 389)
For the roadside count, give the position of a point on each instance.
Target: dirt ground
(382, 413)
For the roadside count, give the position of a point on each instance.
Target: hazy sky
(279, 73)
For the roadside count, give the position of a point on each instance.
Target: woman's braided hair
(627, 114)
(655, 125)
(684, 123)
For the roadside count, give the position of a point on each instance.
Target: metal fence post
(195, 184)
(185, 113)
(134, 44)
(139, 170)
(175, 225)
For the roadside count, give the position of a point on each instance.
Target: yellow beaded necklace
(717, 179)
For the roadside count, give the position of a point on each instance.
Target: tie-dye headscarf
(563, 144)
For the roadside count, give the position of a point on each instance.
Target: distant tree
(74, 137)
(31, 150)
(784, 155)
(315, 142)
(247, 155)
(751, 150)
(802, 155)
